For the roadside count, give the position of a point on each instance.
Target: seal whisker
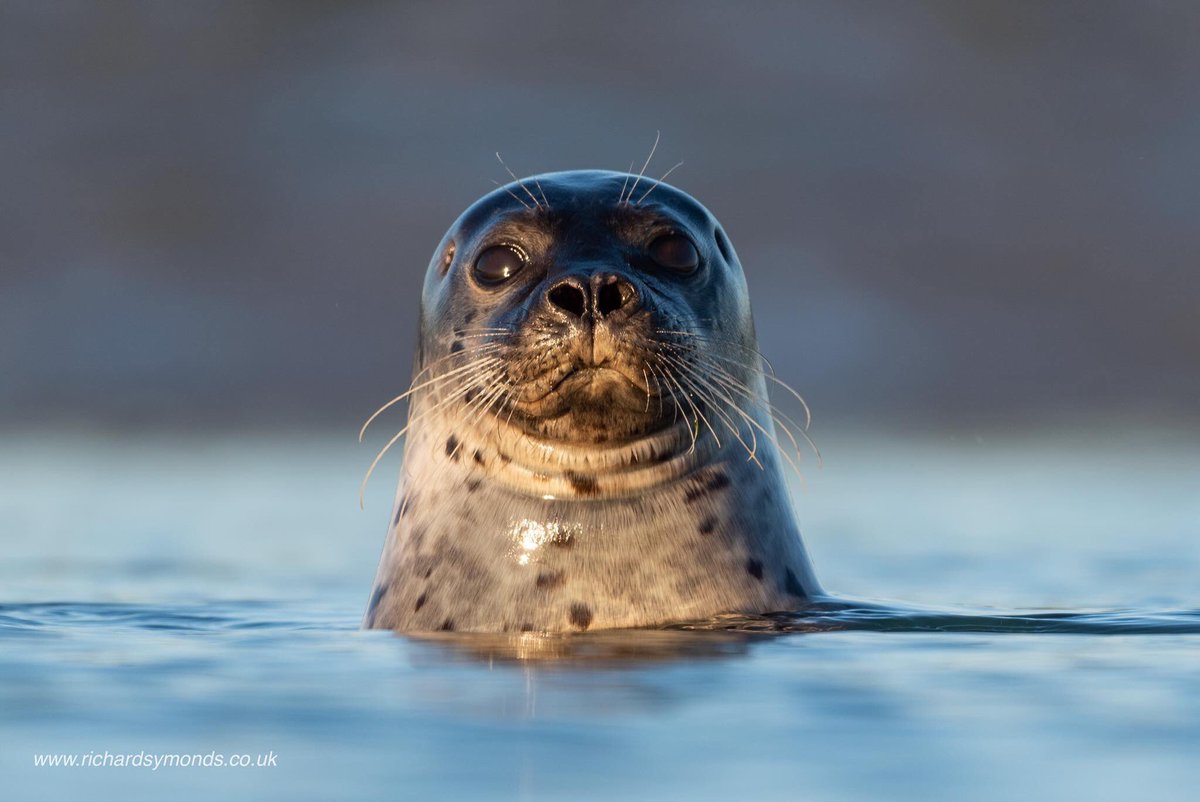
(723, 341)
(784, 421)
(411, 421)
(486, 330)
(686, 397)
(492, 387)
(661, 381)
(625, 183)
(520, 183)
(412, 389)
(751, 450)
(481, 336)
(541, 192)
(719, 374)
(706, 388)
(511, 400)
(515, 196)
(778, 416)
(407, 393)
(774, 439)
(661, 377)
(654, 147)
(658, 391)
(486, 379)
(656, 183)
(488, 397)
(769, 376)
(493, 392)
(693, 390)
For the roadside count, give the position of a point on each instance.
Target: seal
(590, 441)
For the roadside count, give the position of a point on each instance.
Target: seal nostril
(614, 294)
(608, 300)
(569, 298)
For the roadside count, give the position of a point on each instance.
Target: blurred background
(970, 234)
(951, 214)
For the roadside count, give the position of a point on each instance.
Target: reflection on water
(847, 615)
(191, 597)
(720, 636)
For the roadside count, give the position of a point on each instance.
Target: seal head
(590, 443)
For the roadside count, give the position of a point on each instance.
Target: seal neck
(508, 456)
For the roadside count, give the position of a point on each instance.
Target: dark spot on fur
(452, 448)
(478, 457)
(754, 568)
(792, 585)
(562, 540)
(376, 596)
(474, 485)
(583, 485)
(456, 346)
(471, 395)
(715, 482)
(420, 603)
(399, 510)
(469, 316)
(549, 581)
(708, 525)
(527, 627)
(428, 572)
(447, 625)
(581, 615)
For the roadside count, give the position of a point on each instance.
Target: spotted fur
(568, 516)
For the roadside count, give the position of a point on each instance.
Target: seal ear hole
(447, 259)
(723, 246)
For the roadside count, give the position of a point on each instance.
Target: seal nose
(570, 295)
(605, 294)
(611, 293)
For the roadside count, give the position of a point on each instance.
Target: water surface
(201, 595)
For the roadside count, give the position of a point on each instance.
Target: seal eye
(675, 252)
(499, 263)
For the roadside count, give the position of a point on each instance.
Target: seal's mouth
(595, 382)
(604, 399)
(595, 385)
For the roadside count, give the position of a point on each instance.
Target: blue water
(198, 595)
